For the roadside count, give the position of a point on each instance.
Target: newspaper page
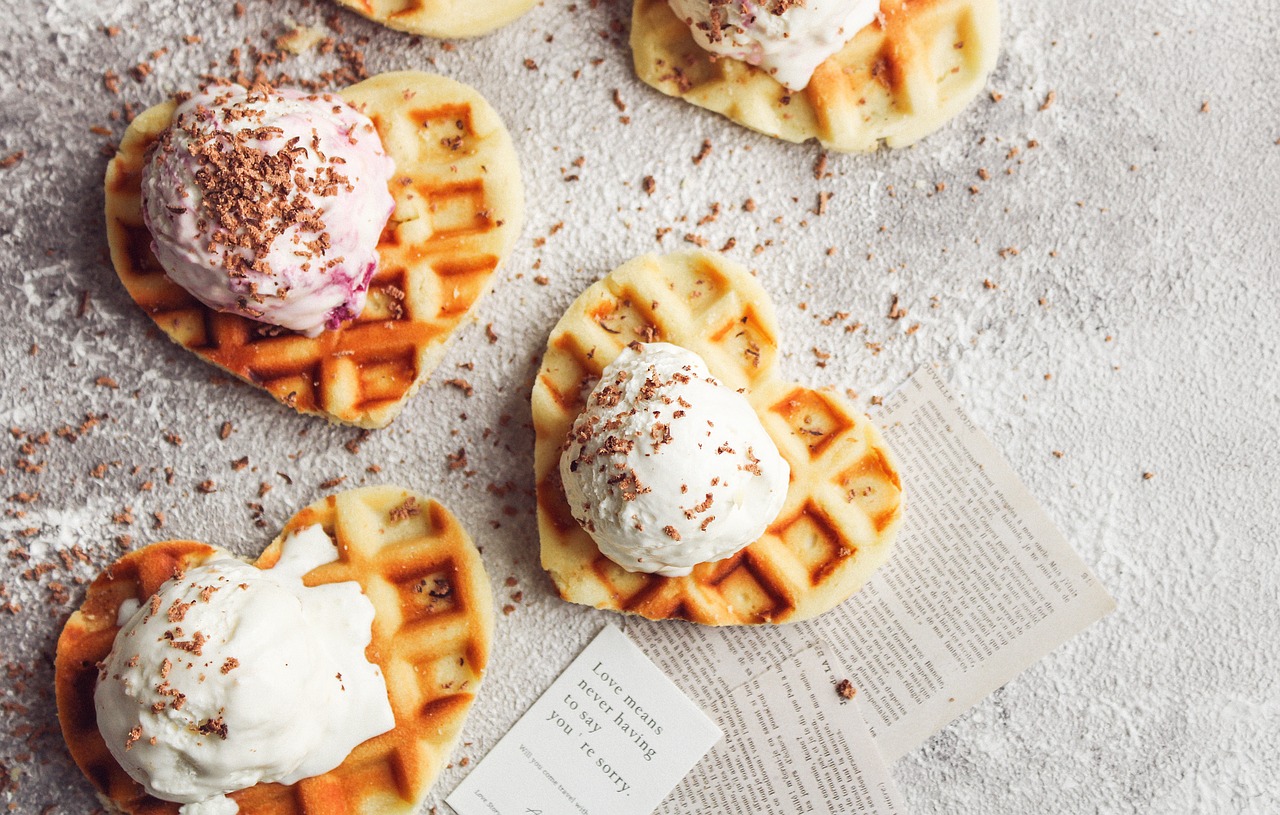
(980, 586)
(793, 743)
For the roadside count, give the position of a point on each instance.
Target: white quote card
(611, 736)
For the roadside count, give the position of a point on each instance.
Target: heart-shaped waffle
(459, 206)
(898, 80)
(441, 18)
(432, 647)
(843, 503)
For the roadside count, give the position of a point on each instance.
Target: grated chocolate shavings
(405, 510)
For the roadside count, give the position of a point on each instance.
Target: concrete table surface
(1098, 277)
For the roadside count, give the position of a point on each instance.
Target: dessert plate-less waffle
(441, 18)
(894, 83)
(843, 504)
(459, 206)
(432, 630)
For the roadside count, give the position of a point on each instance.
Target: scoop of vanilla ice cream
(232, 675)
(787, 38)
(667, 468)
(269, 203)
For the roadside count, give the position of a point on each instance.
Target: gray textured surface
(1145, 220)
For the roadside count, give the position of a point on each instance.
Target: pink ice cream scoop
(269, 203)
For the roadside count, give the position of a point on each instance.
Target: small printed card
(611, 736)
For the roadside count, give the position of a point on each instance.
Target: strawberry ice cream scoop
(269, 203)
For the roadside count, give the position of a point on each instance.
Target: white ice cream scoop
(232, 676)
(787, 38)
(667, 468)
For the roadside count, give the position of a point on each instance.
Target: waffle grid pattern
(458, 209)
(844, 502)
(431, 636)
(894, 83)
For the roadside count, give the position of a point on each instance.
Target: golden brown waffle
(432, 630)
(843, 505)
(441, 18)
(894, 83)
(459, 206)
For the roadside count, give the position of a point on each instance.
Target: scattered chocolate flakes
(896, 311)
(490, 334)
(530, 64)
(461, 384)
(649, 185)
(194, 646)
(213, 727)
(226, 430)
(405, 510)
(353, 444)
(12, 159)
(106, 382)
(704, 152)
(617, 101)
(1050, 98)
(457, 460)
(330, 483)
(207, 486)
(437, 587)
(820, 168)
(1148, 476)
